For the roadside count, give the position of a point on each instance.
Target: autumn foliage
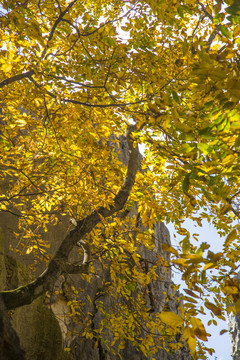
(73, 76)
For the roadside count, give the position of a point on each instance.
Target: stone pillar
(234, 331)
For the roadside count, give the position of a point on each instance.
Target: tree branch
(12, 79)
(62, 13)
(58, 265)
(72, 101)
(83, 268)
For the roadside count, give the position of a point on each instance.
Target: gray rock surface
(234, 331)
(39, 323)
(30, 332)
(159, 294)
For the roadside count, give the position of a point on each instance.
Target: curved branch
(58, 265)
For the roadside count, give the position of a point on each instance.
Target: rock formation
(36, 324)
(234, 331)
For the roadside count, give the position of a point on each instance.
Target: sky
(207, 233)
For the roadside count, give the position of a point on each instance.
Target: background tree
(74, 74)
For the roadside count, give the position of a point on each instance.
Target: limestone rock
(234, 331)
(35, 324)
(160, 293)
(32, 329)
(9, 342)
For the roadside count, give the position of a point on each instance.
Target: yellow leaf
(182, 262)
(191, 293)
(235, 125)
(35, 32)
(195, 258)
(215, 309)
(190, 339)
(169, 248)
(21, 122)
(226, 209)
(48, 206)
(6, 68)
(209, 266)
(230, 158)
(229, 290)
(198, 328)
(29, 250)
(189, 299)
(171, 319)
(232, 236)
(183, 126)
(222, 332)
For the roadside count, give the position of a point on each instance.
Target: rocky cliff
(78, 303)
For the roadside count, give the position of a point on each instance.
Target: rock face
(157, 293)
(36, 325)
(234, 331)
(9, 341)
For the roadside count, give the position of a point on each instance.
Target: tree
(75, 75)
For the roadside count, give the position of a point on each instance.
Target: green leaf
(206, 133)
(233, 9)
(185, 245)
(237, 142)
(186, 183)
(205, 148)
(187, 148)
(224, 30)
(176, 97)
